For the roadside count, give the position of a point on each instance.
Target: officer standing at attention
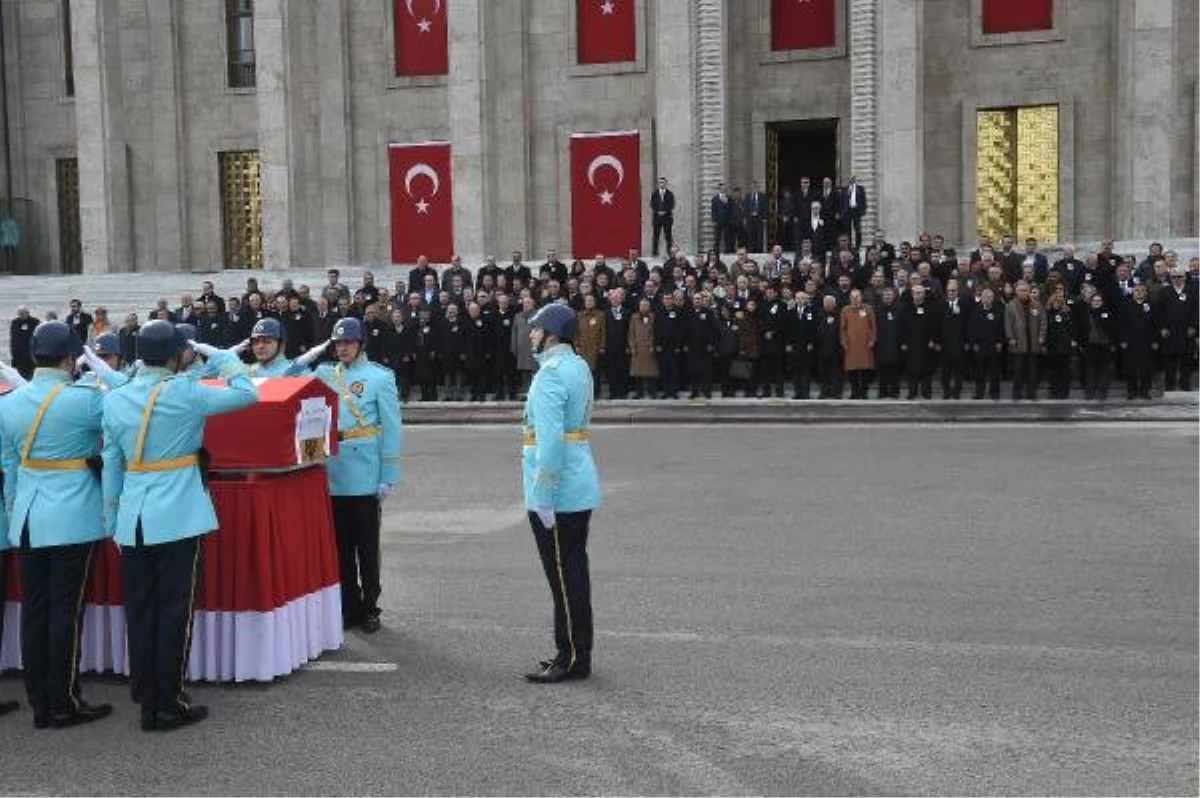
(367, 466)
(12, 378)
(561, 486)
(156, 504)
(49, 430)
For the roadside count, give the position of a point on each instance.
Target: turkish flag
(422, 202)
(1011, 16)
(421, 37)
(803, 24)
(607, 31)
(606, 207)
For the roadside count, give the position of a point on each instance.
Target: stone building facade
(151, 135)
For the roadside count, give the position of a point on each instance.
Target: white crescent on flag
(611, 161)
(418, 169)
(437, 7)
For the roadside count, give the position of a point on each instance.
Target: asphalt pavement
(927, 609)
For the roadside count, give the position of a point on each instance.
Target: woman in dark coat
(1060, 344)
(1139, 343)
(1099, 346)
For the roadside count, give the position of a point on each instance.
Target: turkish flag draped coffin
(1012, 16)
(422, 203)
(421, 38)
(293, 423)
(606, 208)
(607, 31)
(803, 24)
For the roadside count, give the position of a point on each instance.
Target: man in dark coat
(954, 313)
(772, 330)
(1175, 316)
(616, 344)
(801, 331)
(888, 357)
(985, 336)
(20, 336)
(703, 334)
(919, 340)
(829, 348)
(1139, 343)
(670, 334)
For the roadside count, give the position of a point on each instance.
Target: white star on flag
(422, 206)
(424, 26)
(606, 197)
(607, 7)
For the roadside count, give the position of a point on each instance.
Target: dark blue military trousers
(53, 580)
(160, 594)
(563, 550)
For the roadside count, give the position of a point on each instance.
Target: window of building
(241, 209)
(240, 43)
(68, 56)
(70, 244)
(1016, 172)
(1017, 16)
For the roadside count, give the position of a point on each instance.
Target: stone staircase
(125, 293)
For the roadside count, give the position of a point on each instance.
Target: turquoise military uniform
(278, 366)
(92, 380)
(4, 544)
(48, 484)
(151, 475)
(557, 466)
(370, 433)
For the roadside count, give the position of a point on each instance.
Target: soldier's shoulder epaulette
(93, 385)
(552, 362)
(375, 367)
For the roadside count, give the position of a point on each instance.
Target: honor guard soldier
(561, 486)
(104, 363)
(156, 504)
(266, 342)
(13, 379)
(49, 431)
(366, 469)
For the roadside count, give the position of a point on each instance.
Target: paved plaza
(925, 609)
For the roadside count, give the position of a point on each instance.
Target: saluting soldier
(267, 344)
(104, 362)
(366, 469)
(49, 430)
(14, 379)
(156, 504)
(561, 487)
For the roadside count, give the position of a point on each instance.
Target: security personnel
(104, 363)
(12, 378)
(49, 430)
(366, 469)
(158, 508)
(266, 342)
(561, 486)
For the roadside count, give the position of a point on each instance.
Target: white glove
(237, 349)
(206, 350)
(11, 376)
(93, 361)
(311, 356)
(546, 516)
(383, 491)
(137, 366)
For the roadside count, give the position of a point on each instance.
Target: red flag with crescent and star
(803, 24)
(422, 202)
(606, 31)
(421, 38)
(606, 207)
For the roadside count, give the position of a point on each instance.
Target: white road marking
(351, 667)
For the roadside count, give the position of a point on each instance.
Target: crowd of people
(878, 320)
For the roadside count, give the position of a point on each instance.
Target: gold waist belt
(174, 464)
(577, 436)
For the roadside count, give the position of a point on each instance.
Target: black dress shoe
(9, 706)
(170, 721)
(84, 713)
(370, 624)
(557, 673)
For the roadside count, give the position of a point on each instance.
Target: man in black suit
(854, 205)
(829, 205)
(416, 276)
(616, 344)
(662, 206)
(79, 319)
(721, 211)
(20, 336)
(756, 212)
(805, 194)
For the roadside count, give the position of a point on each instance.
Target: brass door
(1016, 172)
(241, 209)
(70, 244)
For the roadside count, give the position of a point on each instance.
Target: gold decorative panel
(995, 172)
(1037, 172)
(1016, 172)
(70, 244)
(241, 209)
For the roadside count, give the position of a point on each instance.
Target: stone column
(468, 152)
(507, 128)
(274, 131)
(674, 111)
(104, 212)
(1144, 117)
(901, 125)
(710, 160)
(169, 186)
(864, 108)
(337, 229)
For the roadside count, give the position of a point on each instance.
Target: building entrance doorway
(795, 149)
